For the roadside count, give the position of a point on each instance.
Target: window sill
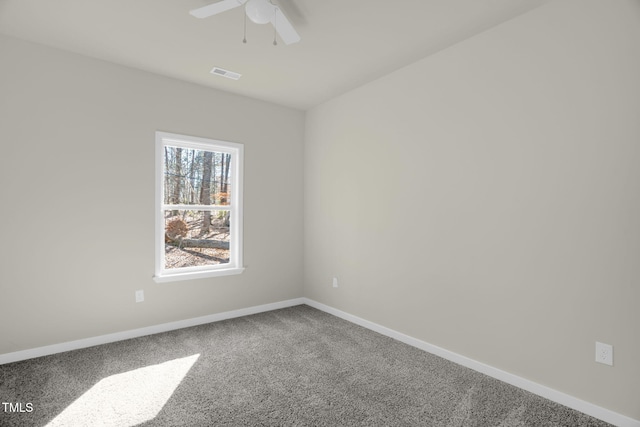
(196, 275)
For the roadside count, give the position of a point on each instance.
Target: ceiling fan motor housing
(260, 11)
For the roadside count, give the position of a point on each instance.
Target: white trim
(236, 171)
(535, 388)
(197, 143)
(522, 383)
(203, 274)
(135, 333)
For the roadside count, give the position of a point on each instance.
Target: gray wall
(486, 199)
(79, 135)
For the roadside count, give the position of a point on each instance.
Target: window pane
(196, 238)
(196, 176)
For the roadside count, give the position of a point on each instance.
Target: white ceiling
(345, 43)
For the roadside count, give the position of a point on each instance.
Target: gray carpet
(296, 366)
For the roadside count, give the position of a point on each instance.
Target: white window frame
(235, 265)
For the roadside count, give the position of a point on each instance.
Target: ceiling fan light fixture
(260, 11)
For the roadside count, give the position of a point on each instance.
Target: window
(198, 207)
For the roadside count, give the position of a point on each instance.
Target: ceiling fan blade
(284, 28)
(215, 8)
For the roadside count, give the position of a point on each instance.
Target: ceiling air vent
(225, 73)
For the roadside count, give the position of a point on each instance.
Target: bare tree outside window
(199, 227)
(196, 237)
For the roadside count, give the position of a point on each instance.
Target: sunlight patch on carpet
(129, 398)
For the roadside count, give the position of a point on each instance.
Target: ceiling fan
(259, 11)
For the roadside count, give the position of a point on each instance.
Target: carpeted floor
(296, 366)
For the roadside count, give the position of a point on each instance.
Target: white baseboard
(543, 391)
(135, 333)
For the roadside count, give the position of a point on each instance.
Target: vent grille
(225, 73)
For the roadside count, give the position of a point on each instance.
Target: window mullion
(169, 207)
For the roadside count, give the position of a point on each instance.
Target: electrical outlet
(604, 353)
(335, 282)
(139, 296)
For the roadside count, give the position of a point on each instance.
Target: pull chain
(275, 26)
(244, 40)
